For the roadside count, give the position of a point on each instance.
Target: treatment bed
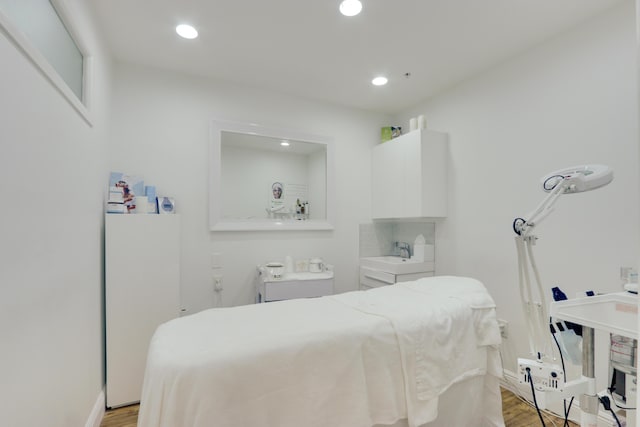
(415, 353)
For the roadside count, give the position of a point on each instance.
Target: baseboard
(97, 413)
(510, 382)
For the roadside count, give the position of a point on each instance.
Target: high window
(41, 29)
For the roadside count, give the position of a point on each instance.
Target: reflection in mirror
(268, 179)
(264, 177)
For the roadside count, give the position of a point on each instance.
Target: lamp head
(577, 179)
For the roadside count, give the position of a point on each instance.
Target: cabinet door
(434, 159)
(142, 290)
(387, 180)
(290, 289)
(411, 176)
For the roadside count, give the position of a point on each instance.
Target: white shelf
(616, 313)
(142, 290)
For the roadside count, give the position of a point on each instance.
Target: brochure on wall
(287, 200)
(284, 197)
(277, 198)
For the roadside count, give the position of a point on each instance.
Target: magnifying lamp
(575, 179)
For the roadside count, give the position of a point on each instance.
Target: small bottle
(288, 264)
(422, 122)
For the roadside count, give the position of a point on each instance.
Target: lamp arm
(523, 226)
(532, 296)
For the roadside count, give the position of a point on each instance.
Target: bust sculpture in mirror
(266, 178)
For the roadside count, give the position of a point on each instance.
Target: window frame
(20, 40)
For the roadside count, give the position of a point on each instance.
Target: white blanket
(354, 359)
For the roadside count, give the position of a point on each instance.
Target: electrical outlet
(504, 328)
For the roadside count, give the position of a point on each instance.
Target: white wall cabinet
(142, 290)
(409, 176)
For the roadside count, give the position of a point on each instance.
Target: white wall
(317, 178)
(569, 101)
(637, 15)
(160, 130)
(52, 168)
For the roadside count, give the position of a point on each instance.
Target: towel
(432, 325)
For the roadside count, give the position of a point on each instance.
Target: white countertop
(616, 313)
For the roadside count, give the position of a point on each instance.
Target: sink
(396, 264)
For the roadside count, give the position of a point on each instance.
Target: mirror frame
(217, 223)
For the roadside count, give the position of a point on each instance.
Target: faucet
(405, 249)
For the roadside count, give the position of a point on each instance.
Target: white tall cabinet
(142, 290)
(409, 176)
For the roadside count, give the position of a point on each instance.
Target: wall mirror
(269, 179)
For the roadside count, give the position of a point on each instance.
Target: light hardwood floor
(516, 413)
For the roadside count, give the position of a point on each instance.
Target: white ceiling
(307, 48)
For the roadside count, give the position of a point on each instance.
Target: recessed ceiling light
(379, 81)
(350, 7)
(186, 31)
(285, 143)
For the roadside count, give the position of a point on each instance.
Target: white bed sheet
(474, 402)
(354, 359)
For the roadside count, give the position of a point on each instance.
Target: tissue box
(418, 252)
(390, 132)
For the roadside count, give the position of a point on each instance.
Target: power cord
(626, 408)
(549, 414)
(607, 405)
(558, 179)
(533, 393)
(564, 370)
(611, 390)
